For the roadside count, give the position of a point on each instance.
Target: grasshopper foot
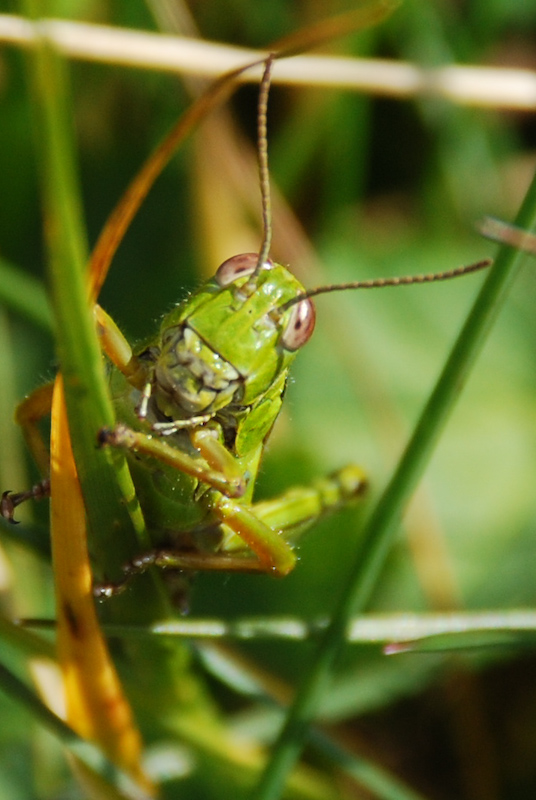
(103, 591)
(106, 436)
(177, 579)
(138, 565)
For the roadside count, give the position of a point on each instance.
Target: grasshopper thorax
(228, 344)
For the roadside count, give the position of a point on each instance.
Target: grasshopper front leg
(219, 470)
(150, 445)
(10, 500)
(255, 537)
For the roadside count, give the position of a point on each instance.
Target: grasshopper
(196, 403)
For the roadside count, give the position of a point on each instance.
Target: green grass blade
(26, 641)
(411, 629)
(376, 780)
(24, 294)
(85, 752)
(228, 669)
(383, 524)
(35, 537)
(106, 484)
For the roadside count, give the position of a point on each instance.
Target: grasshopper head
(230, 341)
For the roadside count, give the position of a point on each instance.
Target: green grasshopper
(197, 402)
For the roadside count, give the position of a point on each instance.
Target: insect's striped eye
(300, 325)
(236, 267)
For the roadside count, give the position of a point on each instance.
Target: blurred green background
(380, 187)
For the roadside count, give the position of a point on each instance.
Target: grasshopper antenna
(264, 179)
(381, 283)
(264, 174)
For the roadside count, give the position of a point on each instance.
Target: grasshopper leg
(9, 500)
(300, 507)
(268, 527)
(219, 471)
(118, 349)
(284, 517)
(38, 405)
(146, 444)
(28, 414)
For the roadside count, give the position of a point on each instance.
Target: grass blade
(25, 295)
(104, 475)
(96, 766)
(383, 524)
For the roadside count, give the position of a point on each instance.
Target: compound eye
(237, 267)
(300, 325)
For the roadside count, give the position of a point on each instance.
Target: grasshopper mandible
(197, 402)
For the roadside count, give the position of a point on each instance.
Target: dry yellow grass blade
(96, 706)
